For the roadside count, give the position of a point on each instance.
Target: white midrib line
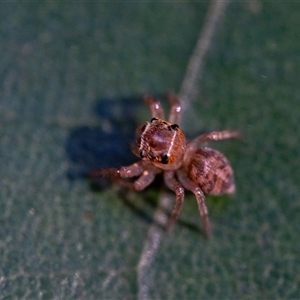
(187, 94)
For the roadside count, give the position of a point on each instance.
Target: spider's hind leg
(195, 189)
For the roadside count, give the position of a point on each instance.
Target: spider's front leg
(177, 188)
(155, 107)
(144, 170)
(133, 170)
(175, 113)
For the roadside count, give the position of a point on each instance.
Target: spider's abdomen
(211, 170)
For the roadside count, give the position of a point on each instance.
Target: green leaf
(60, 239)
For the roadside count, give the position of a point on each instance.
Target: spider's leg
(146, 177)
(175, 113)
(175, 186)
(202, 210)
(191, 186)
(145, 170)
(216, 136)
(155, 107)
(206, 137)
(133, 170)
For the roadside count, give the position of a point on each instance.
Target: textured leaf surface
(59, 238)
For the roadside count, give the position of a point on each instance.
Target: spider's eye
(153, 119)
(174, 126)
(164, 159)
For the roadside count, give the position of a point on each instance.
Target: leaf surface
(61, 239)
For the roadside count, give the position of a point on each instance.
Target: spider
(163, 148)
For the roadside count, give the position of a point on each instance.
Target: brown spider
(162, 147)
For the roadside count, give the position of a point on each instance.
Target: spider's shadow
(108, 145)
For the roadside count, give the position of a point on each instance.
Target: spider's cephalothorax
(162, 143)
(162, 147)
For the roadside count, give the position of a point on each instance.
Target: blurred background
(72, 78)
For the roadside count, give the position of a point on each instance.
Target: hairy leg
(133, 170)
(216, 136)
(175, 113)
(146, 178)
(206, 137)
(144, 170)
(191, 186)
(155, 107)
(175, 186)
